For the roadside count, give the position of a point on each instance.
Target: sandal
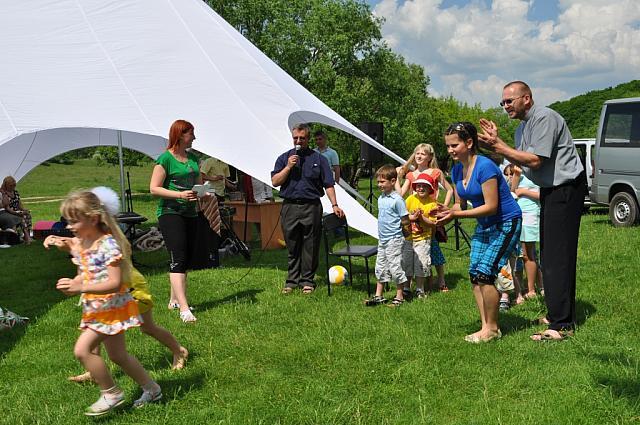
(444, 288)
(377, 300)
(187, 316)
(552, 335)
(504, 305)
(173, 305)
(530, 296)
(105, 404)
(476, 339)
(420, 294)
(396, 302)
(287, 290)
(148, 397)
(308, 289)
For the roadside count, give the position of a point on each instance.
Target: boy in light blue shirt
(331, 155)
(393, 226)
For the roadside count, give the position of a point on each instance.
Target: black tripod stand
(369, 166)
(232, 242)
(459, 231)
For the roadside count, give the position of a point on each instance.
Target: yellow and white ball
(338, 275)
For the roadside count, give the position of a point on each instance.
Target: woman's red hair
(178, 128)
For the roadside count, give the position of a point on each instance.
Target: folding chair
(332, 222)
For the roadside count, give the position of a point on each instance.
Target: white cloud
(471, 51)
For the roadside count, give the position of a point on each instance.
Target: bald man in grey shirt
(545, 151)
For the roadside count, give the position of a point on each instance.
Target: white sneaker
(147, 397)
(104, 405)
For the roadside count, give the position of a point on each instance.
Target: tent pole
(121, 162)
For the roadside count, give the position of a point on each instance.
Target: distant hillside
(583, 112)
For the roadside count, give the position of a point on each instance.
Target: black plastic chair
(330, 223)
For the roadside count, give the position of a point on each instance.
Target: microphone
(298, 147)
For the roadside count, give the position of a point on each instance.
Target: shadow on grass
(627, 389)
(360, 278)
(242, 297)
(177, 388)
(605, 220)
(583, 311)
(28, 286)
(172, 389)
(622, 388)
(512, 320)
(10, 338)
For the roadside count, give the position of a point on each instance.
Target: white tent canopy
(72, 72)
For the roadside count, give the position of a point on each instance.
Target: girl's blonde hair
(85, 204)
(428, 149)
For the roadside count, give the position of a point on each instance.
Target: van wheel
(623, 210)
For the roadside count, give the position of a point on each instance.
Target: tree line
(334, 48)
(582, 112)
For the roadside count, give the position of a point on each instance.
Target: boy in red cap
(416, 252)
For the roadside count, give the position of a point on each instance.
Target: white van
(616, 181)
(586, 152)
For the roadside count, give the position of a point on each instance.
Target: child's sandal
(187, 317)
(376, 300)
(396, 302)
(104, 405)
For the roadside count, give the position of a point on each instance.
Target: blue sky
(471, 48)
(541, 10)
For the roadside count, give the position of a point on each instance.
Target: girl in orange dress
(108, 309)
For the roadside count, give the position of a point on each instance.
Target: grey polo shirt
(545, 133)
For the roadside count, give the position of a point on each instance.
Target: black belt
(580, 180)
(301, 201)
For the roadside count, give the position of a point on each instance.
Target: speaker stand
(369, 166)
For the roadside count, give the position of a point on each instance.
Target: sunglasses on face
(508, 102)
(459, 129)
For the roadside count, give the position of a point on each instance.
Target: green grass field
(258, 357)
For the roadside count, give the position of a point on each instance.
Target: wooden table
(266, 215)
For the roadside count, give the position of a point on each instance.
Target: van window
(622, 126)
(582, 153)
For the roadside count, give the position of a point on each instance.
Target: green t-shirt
(180, 176)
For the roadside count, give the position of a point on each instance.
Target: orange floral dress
(107, 314)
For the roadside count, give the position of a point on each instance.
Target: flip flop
(308, 289)
(287, 290)
(551, 335)
(476, 339)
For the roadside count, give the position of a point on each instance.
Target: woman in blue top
(478, 180)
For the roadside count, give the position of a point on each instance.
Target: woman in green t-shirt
(174, 175)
